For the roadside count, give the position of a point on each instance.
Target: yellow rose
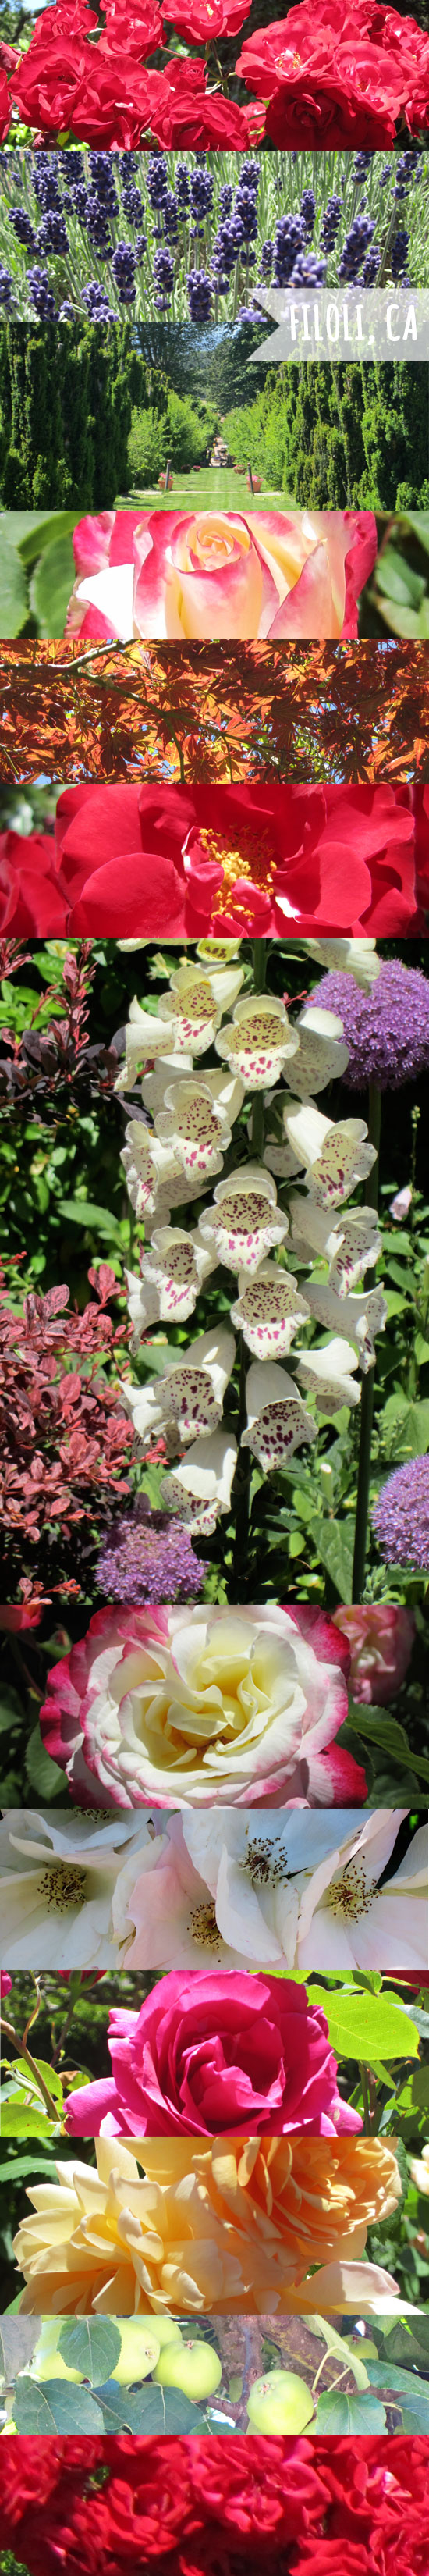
(228, 2226)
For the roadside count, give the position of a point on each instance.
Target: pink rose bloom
(207, 2055)
(208, 574)
(381, 1641)
(194, 1708)
(5, 1984)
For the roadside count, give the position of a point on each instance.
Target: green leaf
(65, 2409)
(20, 2122)
(378, 1727)
(335, 1542)
(45, 1775)
(402, 2384)
(50, 2077)
(366, 2026)
(337, 2413)
(32, 530)
(13, 590)
(19, 2166)
(415, 2415)
(51, 586)
(82, 1212)
(149, 2409)
(92, 2345)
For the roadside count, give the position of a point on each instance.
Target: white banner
(344, 323)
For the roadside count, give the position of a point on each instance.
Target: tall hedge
(66, 398)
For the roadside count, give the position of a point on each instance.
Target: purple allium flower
(386, 1030)
(146, 1556)
(401, 1516)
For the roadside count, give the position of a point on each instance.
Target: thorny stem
(367, 1401)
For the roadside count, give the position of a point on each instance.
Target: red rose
(331, 78)
(136, 31)
(202, 21)
(30, 897)
(5, 103)
(189, 117)
(103, 101)
(157, 862)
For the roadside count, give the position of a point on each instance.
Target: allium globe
(386, 1030)
(401, 1516)
(206, 2053)
(145, 1556)
(189, 1708)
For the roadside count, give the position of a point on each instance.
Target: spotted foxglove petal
(269, 1310)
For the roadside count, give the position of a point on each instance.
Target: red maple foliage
(169, 711)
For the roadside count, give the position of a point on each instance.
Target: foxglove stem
(367, 1403)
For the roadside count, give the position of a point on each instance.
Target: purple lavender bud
(401, 1516)
(308, 271)
(53, 235)
(182, 187)
(163, 276)
(157, 179)
(22, 227)
(289, 240)
(124, 265)
(330, 221)
(308, 212)
(6, 291)
(386, 1030)
(200, 295)
(399, 254)
(41, 294)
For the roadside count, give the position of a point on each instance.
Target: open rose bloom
(206, 2052)
(210, 2504)
(210, 573)
(229, 2227)
(263, 861)
(198, 1708)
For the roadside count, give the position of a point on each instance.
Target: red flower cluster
(200, 2506)
(325, 76)
(156, 862)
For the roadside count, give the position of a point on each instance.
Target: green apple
(194, 2367)
(47, 2362)
(139, 2350)
(281, 2403)
(167, 2330)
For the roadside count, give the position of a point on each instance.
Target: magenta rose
(210, 2055)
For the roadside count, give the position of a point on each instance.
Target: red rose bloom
(104, 102)
(136, 31)
(157, 862)
(5, 104)
(202, 21)
(331, 78)
(188, 116)
(201, 2506)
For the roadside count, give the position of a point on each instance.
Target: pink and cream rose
(191, 1708)
(208, 574)
(381, 1639)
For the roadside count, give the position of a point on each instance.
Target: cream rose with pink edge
(178, 574)
(191, 1708)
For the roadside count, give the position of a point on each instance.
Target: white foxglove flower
(258, 1042)
(201, 1487)
(150, 1167)
(351, 1244)
(347, 1920)
(269, 1310)
(193, 1126)
(356, 957)
(188, 1398)
(174, 1267)
(336, 1152)
(278, 1421)
(148, 1034)
(245, 1222)
(168, 1069)
(216, 981)
(328, 1374)
(360, 1317)
(57, 1881)
(323, 1054)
